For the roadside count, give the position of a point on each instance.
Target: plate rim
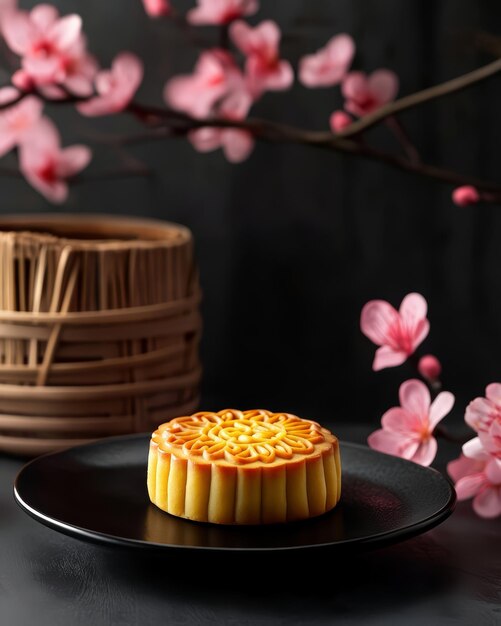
(369, 542)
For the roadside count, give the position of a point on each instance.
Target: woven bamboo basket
(99, 329)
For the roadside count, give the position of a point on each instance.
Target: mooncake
(244, 467)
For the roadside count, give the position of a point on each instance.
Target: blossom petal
(399, 420)
(220, 11)
(414, 306)
(240, 33)
(426, 452)
(197, 93)
(262, 39)
(8, 94)
(478, 411)
(72, 160)
(282, 78)
(44, 16)
(341, 49)
(493, 393)
(440, 407)
(420, 333)
(387, 357)
(376, 319)
(470, 485)
(237, 145)
(354, 86)
(65, 32)
(79, 85)
(129, 69)
(464, 466)
(328, 65)
(44, 70)
(488, 502)
(491, 438)
(18, 31)
(384, 85)
(493, 471)
(43, 137)
(116, 87)
(393, 443)
(415, 398)
(206, 139)
(18, 120)
(474, 449)
(157, 8)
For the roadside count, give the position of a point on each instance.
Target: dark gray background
(294, 241)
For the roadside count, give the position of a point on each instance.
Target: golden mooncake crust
(244, 467)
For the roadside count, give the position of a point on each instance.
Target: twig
(403, 138)
(166, 123)
(224, 37)
(276, 132)
(426, 95)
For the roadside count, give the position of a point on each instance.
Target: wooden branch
(165, 123)
(420, 97)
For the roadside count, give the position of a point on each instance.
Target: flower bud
(429, 367)
(22, 80)
(340, 120)
(465, 195)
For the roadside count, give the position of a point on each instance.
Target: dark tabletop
(450, 575)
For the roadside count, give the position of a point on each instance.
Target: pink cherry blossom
(46, 165)
(80, 69)
(429, 367)
(237, 144)
(18, 120)
(221, 11)
(157, 8)
(465, 195)
(484, 416)
(216, 77)
(339, 120)
(264, 69)
(115, 87)
(480, 480)
(398, 333)
(328, 66)
(42, 39)
(364, 94)
(408, 430)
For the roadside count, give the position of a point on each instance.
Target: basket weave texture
(99, 329)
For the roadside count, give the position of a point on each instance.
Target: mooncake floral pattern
(240, 436)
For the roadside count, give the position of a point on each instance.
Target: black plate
(98, 492)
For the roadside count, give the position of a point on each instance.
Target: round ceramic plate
(98, 492)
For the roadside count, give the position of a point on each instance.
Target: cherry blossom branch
(426, 95)
(181, 124)
(166, 123)
(403, 138)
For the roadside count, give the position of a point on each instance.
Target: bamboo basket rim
(58, 228)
